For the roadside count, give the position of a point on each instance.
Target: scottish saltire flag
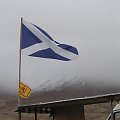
(37, 43)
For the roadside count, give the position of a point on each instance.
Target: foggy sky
(92, 26)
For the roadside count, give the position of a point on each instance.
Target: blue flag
(37, 43)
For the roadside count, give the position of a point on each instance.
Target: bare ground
(92, 112)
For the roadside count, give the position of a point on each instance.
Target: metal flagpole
(20, 62)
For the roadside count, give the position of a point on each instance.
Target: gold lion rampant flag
(24, 90)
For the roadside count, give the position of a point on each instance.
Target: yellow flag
(24, 90)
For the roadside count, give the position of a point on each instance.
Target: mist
(89, 25)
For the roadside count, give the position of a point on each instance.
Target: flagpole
(20, 62)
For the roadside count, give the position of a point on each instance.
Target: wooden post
(35, 115)
(19, 115)
(69, 113)
(53, 116)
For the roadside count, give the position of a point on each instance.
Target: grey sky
(92, 26)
